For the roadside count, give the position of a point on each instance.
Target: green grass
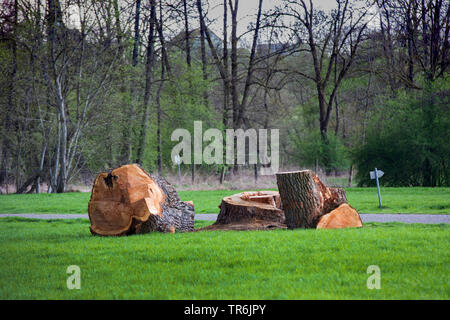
(280, 264)
(365, 200)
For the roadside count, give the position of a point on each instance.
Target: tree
(329, 38)
(148, 84)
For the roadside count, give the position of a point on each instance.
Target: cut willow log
(128, 200)
(343, 216)
(306, 199)
(250, 211)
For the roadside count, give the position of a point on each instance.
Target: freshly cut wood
(306, 199)
(128, 200)
(343, 216)
(250, 211)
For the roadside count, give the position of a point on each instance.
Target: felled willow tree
(308, 203)
(128, 200)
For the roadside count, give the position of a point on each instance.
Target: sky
(247, 11)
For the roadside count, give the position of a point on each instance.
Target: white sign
(177, 159)
(379, 173)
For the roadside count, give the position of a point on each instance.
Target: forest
(89, 85)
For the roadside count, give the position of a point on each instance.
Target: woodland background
(89, 85)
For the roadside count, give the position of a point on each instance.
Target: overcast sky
(247, 11)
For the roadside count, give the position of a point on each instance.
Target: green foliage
(408, 139)
(310, 146)
(182, 103)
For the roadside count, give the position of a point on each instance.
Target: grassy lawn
(365, 200)
(280, 264)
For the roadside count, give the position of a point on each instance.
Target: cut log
(343, 216)
(250, 211)
(128, 200)
(306, 199)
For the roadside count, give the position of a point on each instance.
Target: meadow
(277, 264)
(365, 200)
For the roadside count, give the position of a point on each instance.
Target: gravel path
(366, 217)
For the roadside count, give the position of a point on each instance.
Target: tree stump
(250, 211)
(306, 199)
(343, 216)
(128, 200)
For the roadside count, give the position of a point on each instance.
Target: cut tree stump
(128, 200)
(250, 211)
(343, 216)
(306, 199)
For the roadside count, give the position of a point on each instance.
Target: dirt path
(366, 217)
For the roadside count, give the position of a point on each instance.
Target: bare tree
(329, 38)
(148, 84)
(9, 17)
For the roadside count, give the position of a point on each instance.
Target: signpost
(178, 162)
(375, 175)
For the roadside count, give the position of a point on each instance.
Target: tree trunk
(350, 174)
(250, 69)
(250, 211)
(186, 34)
(28, 182)
(11, 103)
(128, 133)
(306, 199)
(234, 64)
(222, 174)
(142, 143)
(128, 200)
(158, 120)
(203, 50)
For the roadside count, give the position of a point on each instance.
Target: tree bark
(128, 200)
(203, 49)
(28, 182)
(234, 62)
(250, 68)
(148, 85)
(306, 199)
(250, 211)
(11, 101)
(128, 133)
(350, 174)
(158, 119)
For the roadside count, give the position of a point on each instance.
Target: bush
(408, 140)
(330, 154)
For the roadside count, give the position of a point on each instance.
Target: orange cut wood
(128, 200)
(343, 216)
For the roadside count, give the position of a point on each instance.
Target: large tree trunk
(128, 200)
(250, 211)
(306, 199)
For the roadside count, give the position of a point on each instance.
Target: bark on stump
(306, 199)
(343, 216)
(128, 200)
(250, 211)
